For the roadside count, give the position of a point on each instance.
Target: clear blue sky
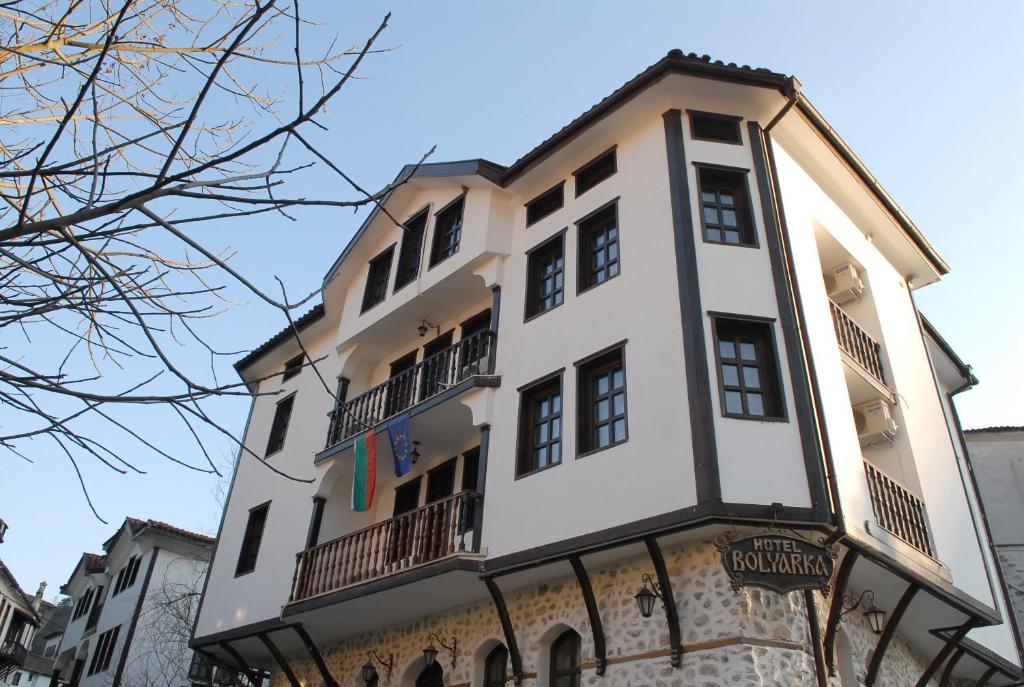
(928, 95)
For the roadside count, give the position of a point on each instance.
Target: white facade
(689, 464)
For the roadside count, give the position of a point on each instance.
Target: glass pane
(733, 402)
(727, 199)
(619, 430)
(755, 404)
(732, 236)
(541, 456)
(544, 408)
(748, 351)
(602, 436)
(613, 251)
(730, 375)
(599, 259)
(618, 378)
(612, 233)
(599, 240)
(613, 269)
(556, 428)
(556, 403)
(602, 410)
(558, 298)
(556, 452)
(727, 349)
(541, 434)
(619, 404)
(601, 383)
(711, 215)
(707, 197)
(714, 235)
(599, 276)
(729, 218)
(751, 378)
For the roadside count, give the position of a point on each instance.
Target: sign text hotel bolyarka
(776, 561)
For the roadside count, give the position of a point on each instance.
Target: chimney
(38, 601)
(3, 530)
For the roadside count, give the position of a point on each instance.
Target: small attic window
(546, 203)
(292, 368)
(594, 172)
(708, 126)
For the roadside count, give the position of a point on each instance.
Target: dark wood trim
(668, 599)
(615, 170)
(769, 370)
(431, 262)
(506, 628)
(788, 321)
(524, 426)
(127, 644)
(600, 208)
(945, 651)
(584, 248)
(986, 677)
(814, 630)
(282, 662)
(315, 520)
(836, 607)
(717, 115)
(593, 614)
(747, 227)
(481, 486)
(527, 204)
(607, 349)
(240, 662)
(875, 664)
(695, 355)
(388, 253)
(548, 242)
(947, 672)
(314, 654)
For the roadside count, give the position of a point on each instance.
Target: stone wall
(751, 638)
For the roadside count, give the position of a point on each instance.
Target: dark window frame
(249, 549)
(574, 643)
(126, 576)
(274, 429)
(541, 198)
(371, 290)
(293, 367)
(742, 206)
(584, 246)
(104, 652)
(491, 664)
(435, 257)
(734, 119)
(586, 369)
(589, 166)
(769, 370)
(401, 281)
(530, 308)
(524, 434)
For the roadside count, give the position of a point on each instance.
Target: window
(104, 651)
(540, 425)
(251, 539)
(126, 577)
(707, 126)
(377, 279)
(602, 402)
(292, 368)
(495, 667)
(747, 373)
(565, 660)
(279, 426)
(409, 253)
(16, 680)
(545, 278)
(544, 204)
(83, 604)
(598, 247)
(50, 650)
(594, 172)
(447, 231)
(725, 208)
(201, 668)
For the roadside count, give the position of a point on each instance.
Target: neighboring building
(38, 670)
(997, 456)
(19, 623)
(133, 606)
(684, 319)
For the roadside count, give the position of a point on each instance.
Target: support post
(507, 630)
(594, 615)
(239, 662)
(815, 631)
(481, 486)
(282, 662)
(947, 672)
(314, 654)
(875, 665)
(945, 651)
(832, 623)
(986, 677)
(669, 600)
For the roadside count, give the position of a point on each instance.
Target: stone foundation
(750, 638)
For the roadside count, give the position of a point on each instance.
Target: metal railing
(429, 533)
(857, 343)
(898, 510)
(471, 356)
(13, 651)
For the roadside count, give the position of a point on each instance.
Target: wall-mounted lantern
(430, 652)
(874, 615)
(370, 670)
(647, 595)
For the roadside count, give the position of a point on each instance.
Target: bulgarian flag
(364, 471)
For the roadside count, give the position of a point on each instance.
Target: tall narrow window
(747, 372)
(546, 203)
(292, 368)
(565, 660)
(251, 539)
(447, 231)
(545, 279)
(725, 207)
(540, 426)
(105, 645)
(594, 172)
(279, 426)
(598, 247)
(496, 667)
(409, 253)
(707, 126)
(602, 402)
(377, 279)
(126, 577)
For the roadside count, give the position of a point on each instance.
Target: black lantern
(426, 325)
(647, 595)
(430, 653)
(415, 452)
(875, 617)
(370, 671)
(873, 614)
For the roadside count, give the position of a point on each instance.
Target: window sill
(581, 291)
(758, 418)
(732, 245)
(432, 265)
(590, 452)
(534, 316)
(244, 573)
(536, 470)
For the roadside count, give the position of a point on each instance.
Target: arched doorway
(431, 676)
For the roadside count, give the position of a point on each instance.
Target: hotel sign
(776, 561)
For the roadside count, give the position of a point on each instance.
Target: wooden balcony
(898, 510)
(462, 360)
(430, 533)
(858, 344)
(13, 652)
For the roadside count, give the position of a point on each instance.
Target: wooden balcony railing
(429, 533)
(857, 343)
(13, 651)
(471, 356)
(898, 510)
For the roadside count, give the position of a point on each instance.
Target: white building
(38, 667)
(133, 606)
(19, 622)
(687, 314)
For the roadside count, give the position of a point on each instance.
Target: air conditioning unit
(843, 283)
(874, 423)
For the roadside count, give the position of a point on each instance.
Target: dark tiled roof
(26, 600)
(311, 316)
(994, 430)
(94, 562)
(188, 534)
